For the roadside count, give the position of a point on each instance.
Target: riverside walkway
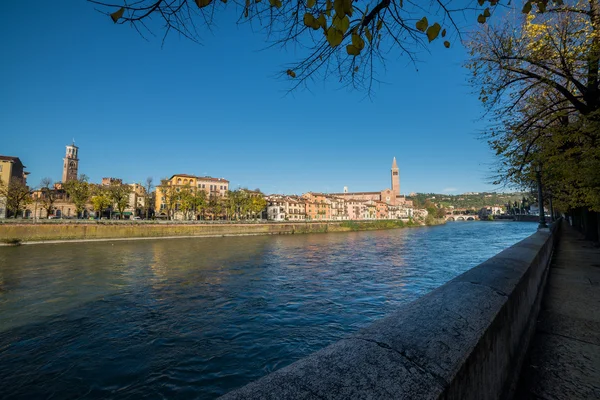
(564, 354)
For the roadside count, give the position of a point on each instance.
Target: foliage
(101, 199)
(16, 194)
(79, 191)
(118, 193)
(168, 196)
(538, 79)
(336, 37)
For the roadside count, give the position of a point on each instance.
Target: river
(196, 318)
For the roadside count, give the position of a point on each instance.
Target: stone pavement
(564, 354)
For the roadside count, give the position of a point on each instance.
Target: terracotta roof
(353, 193)
(201, 178)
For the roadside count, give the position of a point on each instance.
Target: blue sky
(137, 109)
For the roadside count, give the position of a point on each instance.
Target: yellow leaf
(368, 34)
(447, 44)
(291, 73)
(311, 3)
(379, 23)
(203, 3)
(308, 19)
(334, 36)
(486, 12)
(328, 8)
(433, 31)
(352, 50)
(358, 42)
(481, 19)
(444, 33)
(117, 14)
(422, 24)
(527, 7)
(275, 3)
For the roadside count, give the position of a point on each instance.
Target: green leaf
(368, 34)
(357, 41)
(486, 12)
(117, 14)
(481, 19)
(433, 31)
(311, 3)
(309, 19)
(334, 36)
(422, 24)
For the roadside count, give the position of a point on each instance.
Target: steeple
(395, 178)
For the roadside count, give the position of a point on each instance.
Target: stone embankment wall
(464, 340)
(27, 232)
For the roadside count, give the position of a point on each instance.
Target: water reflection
(194, 318)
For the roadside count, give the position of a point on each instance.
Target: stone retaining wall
(464, 340)
(28, 232)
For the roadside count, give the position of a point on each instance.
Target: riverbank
(34, 233)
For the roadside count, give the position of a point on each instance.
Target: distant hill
(467, 200)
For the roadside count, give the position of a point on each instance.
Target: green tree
(168, 196)
(79, 192)
(186, 201)
(101, 200)
(118, 194)
(16, 195)
(538, 79)
(200, 203)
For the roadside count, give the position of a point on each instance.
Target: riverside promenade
(564, 354)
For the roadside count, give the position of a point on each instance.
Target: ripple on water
(195, 318)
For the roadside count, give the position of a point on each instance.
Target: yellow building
(213, 187)
(11, 169)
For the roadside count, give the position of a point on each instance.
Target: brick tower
(395, 178)
(71, 164)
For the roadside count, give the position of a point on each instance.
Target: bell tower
(70, 164)
(395, 178)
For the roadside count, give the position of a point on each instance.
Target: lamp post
(538, 174)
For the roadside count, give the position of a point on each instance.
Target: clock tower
(71, 164)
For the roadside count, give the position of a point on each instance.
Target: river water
(196, 318)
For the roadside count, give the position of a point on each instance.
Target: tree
(49, 195)
(200, 202)
(168, 196)
(79, 192)
(16, 194)
(118, 194)
(336, 37)
(100, 200)
(186, 201)
(148, 196)
(539, 82)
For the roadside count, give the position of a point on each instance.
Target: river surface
(196, 318)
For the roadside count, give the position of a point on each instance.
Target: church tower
(395, 178)
(71, 164)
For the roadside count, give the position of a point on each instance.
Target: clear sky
(137, 109)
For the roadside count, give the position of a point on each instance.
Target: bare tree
(148, 197)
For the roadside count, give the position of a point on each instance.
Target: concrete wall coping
(464, 340)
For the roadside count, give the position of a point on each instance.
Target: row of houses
(324, 207)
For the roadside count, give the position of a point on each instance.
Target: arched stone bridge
(461, 217)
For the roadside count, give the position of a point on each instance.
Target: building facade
(11, 170)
